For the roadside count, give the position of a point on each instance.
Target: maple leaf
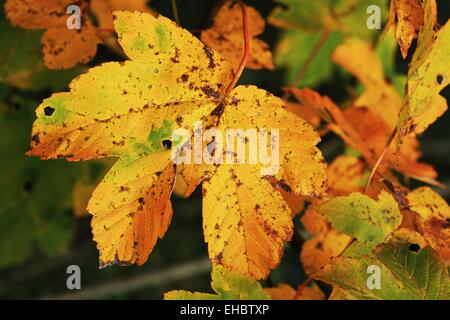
(363, 218)
(227, 284)
(172, 81)
(286, 292)
(225, 37)
(127, 110)
(63, 48)
(428, 75)
(405, 275)
(407, 15)
(433, 219)
(245, 222)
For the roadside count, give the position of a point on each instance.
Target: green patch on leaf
(369, 221)
(391, 272)
(164, 38)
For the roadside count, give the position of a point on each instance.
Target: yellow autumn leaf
(225, 36)
(358, 57)
(245, 220)
(103, 12)
(433, 219)
(127, 110)
(130, 110)
(428, 75)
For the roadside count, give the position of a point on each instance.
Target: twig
(246, 49)
(175, 12)
(299, 76)
(323, 38)
(380, 159)
(186, 271)
(303, 286)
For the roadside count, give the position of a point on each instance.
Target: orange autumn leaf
(408, 18)
(360, 59)
(433, 219)
(305, 113)
(225, 36)
(325, 244)
(103, 12)
(63, 48)
(373, 116)
(286, 292)
(346, 174)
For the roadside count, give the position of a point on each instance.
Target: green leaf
(227, 284)
(404, 275)
(293, 50)
(363, 218)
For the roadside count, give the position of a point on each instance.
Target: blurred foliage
(39, 233)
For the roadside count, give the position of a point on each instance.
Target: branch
(299, 76)
(380, 159)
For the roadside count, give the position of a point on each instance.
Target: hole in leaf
(414, 247)
(167, 144)
(439, 79)
(48, 111)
